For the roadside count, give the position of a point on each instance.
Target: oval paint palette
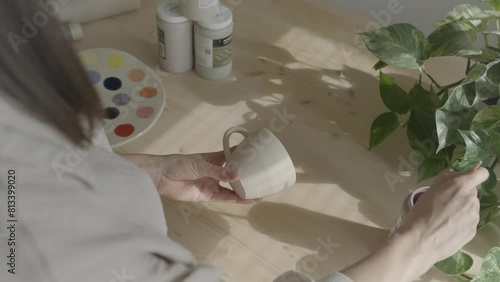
(131, 93)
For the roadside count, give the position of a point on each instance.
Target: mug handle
(227, 135)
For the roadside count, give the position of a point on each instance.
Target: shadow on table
(327, 137)
(335, 243)
(197, 228)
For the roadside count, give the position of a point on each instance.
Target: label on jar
(204, 4)
(161, 42)
(213, 53)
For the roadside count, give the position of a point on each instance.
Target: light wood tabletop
(302, 57)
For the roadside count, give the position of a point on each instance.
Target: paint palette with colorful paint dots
(130, 91)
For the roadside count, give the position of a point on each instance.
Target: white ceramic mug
(264, 164)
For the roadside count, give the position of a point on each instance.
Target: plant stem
(432, 79)
(485, 36)
(494, 164)
(466, 277)
(498, 29)
(447, 87)
(420, 76)
(467, 69)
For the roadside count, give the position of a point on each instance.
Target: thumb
(205, 169)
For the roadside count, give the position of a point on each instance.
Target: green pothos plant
(450, 126)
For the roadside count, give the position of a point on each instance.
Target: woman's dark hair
(40, 70)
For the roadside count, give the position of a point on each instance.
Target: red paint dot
(124, 130)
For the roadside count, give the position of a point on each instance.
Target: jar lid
(223, 19)
(75, 29)
(169, 11)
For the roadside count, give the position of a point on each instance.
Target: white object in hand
(264, 164)
(408, 203)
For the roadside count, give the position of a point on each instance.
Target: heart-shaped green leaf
(383, 126)
(487, 118)
(448, 123)
(490, 183)
(486, 15)
(457, 113)
(456, 264)
(423, 100)
(464, 12)
(475, 73)
(487, 199)
(454, 39)
(380, 65)
(461, 98)
(495, 4)
(487, 215)
(488, 55)
(393, 96)
(432, 166)
(480, 144)
(490, 269)
(400, 45)
(421, 133)
(488, 86)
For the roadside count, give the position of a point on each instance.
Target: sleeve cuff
(293, 276)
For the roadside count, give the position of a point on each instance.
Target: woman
(79, 212)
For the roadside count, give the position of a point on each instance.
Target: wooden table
(303, 57)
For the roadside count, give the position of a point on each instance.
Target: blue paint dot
(94, 76)
(112, 83)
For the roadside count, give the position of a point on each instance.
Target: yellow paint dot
(116, 61)
(89, 58)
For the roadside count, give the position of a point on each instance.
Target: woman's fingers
(467, 179)
(470, 179)
(205, 169)
(229, 196)
(445, 176)
(216, 158)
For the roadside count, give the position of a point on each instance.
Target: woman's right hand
(443, 220)
(446, 216)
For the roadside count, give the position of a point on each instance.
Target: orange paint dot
(136, 75)
(149, 92)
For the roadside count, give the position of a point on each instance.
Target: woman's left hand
(193, 178)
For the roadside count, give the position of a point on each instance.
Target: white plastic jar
(213, 46)
(199, 10)
(175, 38)
(72, 31)
(408, 204)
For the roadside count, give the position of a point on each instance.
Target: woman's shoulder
(23, 134)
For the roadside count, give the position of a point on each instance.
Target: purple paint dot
(94, 76)
(112, 83)
(121, 99)
(111, 113)
(145, 112)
